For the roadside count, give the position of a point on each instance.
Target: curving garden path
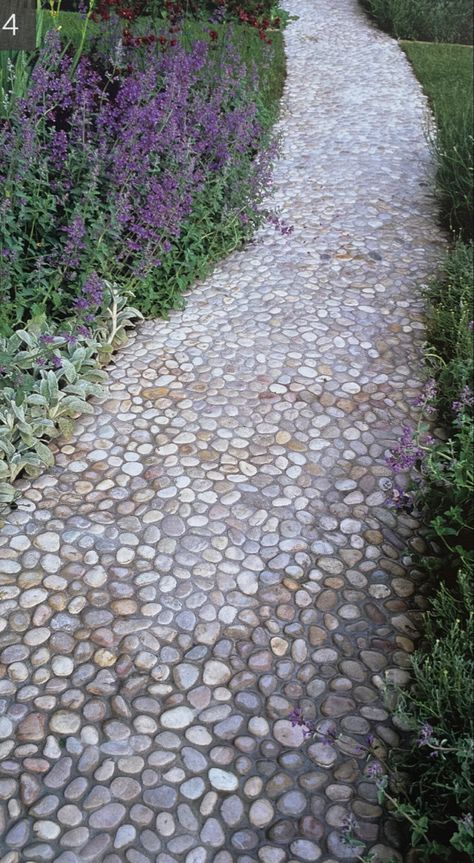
(213, 550)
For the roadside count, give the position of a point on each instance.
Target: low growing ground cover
(437, 791)
(129, 164)
(428, 782)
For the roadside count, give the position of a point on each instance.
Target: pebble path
(213, 549)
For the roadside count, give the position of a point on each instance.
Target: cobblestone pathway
(213, 549)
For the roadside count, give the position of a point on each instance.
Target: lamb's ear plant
(111, 332)
(47, 376)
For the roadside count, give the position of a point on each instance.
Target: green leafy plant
(431, 786)
(145, 177)
(429, 781)
(110, 330)
(46, 379)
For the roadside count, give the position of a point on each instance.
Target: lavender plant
(436, 478)
(437, 710)
(419, 782)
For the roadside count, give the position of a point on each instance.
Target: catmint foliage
(112, 169)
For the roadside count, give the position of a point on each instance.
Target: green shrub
(447, 499)
(442, 486)
(430, 786)
(439, 708)
(426, 20)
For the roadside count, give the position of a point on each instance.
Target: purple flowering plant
(393, 786)
(138, 169)
(377, 770)
(429, 475)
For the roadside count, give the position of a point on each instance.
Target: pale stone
(261, 813)
(222, 780)
(46, 830)
(48, 541)
(62, 666)
(64, 722)
(216, 673)
(287, 734)
(178, 717)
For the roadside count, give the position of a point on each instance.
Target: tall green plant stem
(80, 48)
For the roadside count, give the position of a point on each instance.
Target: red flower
(213, 34)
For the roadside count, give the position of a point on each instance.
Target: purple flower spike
(374, 770)
(465, 400)
(349, 824)
(400, 499)
(426, 734)
(406, 453)
(296, 717)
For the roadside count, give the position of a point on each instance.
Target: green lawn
(446, 74)
(71, 25)
(444, 70)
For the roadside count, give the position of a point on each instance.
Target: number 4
(11, 24)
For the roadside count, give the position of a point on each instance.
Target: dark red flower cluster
(260, 24)
(255, 14)
(131, 41)
(129, 10)
(176, 9)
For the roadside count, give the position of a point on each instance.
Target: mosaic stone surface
(213, 548)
